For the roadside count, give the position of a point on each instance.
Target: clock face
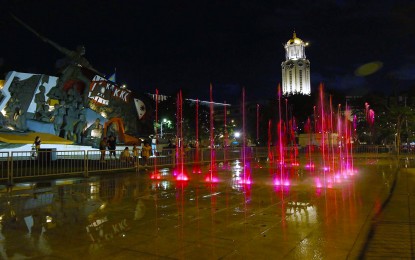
(300, 64)
(291, 66)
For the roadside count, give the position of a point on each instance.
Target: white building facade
(295, 68)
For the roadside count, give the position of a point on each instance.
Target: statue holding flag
(72, 72)
(81, 85)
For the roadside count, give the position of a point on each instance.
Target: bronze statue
(42, 109)
(75, 56)
(58, 114)
(73, 69)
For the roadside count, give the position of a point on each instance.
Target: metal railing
(30, 164)
(15, 166)
(4, 166)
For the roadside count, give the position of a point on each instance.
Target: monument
(69, 105)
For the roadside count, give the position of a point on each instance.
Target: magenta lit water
(292, 129)
(309, 132)
(180, 169)
(329, 151)
(336, 144)
(323, 129)
(290, 136)
(281, 130)
(212, 175)
(246, 165)
(370, 119)
(332, 143)
(269, 143)
(156, 137)
(280, 177)
(330, 133)
(226, 139)
(196, 165)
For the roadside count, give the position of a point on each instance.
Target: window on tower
(301, 78)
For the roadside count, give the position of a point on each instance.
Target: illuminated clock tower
(295, 68)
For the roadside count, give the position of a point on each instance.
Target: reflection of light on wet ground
(236, 165)
(184, 213)
(309, 166)
(212, 179)
(212, 194)
(94, 190)
(182, 177)
(301, 211)
(279, 182)
(161, 185)
(103, 205)
(160, 174)
(240, 175)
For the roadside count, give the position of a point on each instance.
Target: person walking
(112, 143)
(145, 153)
(103, 148)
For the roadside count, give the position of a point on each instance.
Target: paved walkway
(391, 231)
(313, 215)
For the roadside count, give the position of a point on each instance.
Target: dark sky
(171, 45)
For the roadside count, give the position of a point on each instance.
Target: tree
(395, 117)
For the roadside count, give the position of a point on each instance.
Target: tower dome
(295, 40)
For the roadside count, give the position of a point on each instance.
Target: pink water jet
(212, 174)
(179, 171)
(246, 177)
(196, 164)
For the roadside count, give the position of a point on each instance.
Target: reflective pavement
(292, 214)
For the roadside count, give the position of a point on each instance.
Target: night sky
(172, 45)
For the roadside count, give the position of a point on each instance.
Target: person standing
(154, 144)
(36, 145)
(112, 143)
(145, 153)
(135, 154)
(125, 155)
(103, 148)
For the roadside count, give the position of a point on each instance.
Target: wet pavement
(298, 214)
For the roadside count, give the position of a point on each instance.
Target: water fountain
(179, 171)
(212, 175)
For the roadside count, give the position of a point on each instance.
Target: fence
(26, 165)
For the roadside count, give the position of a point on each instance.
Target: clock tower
(295, 68)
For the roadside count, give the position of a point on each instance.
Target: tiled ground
(317, 215)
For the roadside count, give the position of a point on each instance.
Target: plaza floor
(367, 213)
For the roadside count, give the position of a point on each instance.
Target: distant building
(295, 68)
